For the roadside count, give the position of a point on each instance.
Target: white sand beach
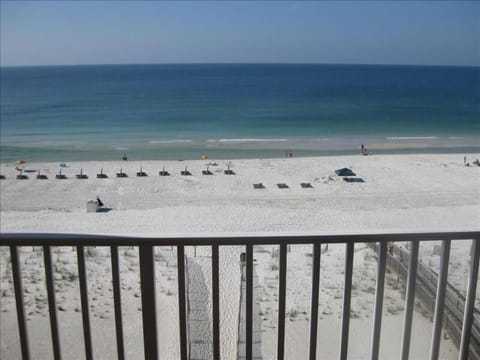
(401, 193)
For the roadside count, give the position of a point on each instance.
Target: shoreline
(238, 148)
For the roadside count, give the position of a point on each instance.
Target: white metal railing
(147, 276)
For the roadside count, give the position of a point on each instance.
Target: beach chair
(229, 171)
(353, 180)
(185, 172)
(258, 186)
(21, 176)
(2, 177)
(102, 175)
(41, 177)
(141, 173)
(121, 174)
(283, 186)
(207, 172)
(163, 172)
(306, 185)
(81, 176)
(60, 176)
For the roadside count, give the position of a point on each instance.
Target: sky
(93, 32)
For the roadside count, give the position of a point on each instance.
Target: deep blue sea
(66, 113)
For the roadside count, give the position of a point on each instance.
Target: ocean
(69, 113)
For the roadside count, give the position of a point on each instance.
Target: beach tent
(344, 172)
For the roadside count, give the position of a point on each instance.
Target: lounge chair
(229, 171)
(41, 177)
(121, 174)
(21, 176)
(102, 175)
(207, 172)
(141, 173)
(2, 177)
(258, 186)
(81, 176)
(306, 185)
(60, 176)
(163, 172)
(353, 179)
(283, 186)
(185, 172)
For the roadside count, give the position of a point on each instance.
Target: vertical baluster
(440, 300)
(281, 301)
(149, 313)
(182, 310)
(249, 303)
(82, 277)
(347, 294)
(17, 284)
(52, 308)
(377, 320)
(317, 247)
(410, 297)
(470, 300)
(215, 303)
(117, 300)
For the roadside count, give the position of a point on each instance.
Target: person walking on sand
(363, 149)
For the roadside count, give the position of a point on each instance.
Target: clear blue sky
(45, 33)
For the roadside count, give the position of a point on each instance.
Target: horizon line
(236, 63)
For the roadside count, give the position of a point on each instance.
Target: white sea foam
(455, 137)
(170, 141)
(121, 148)
(252, 140)
(412, 137)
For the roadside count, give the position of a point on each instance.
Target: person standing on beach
(363, 149)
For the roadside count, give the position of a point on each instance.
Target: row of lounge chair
(282, 186)
(120, 174)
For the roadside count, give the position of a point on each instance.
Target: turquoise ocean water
(67, 113)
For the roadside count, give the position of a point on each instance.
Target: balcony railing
(147, 276)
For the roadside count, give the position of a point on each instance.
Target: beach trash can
(92, 206)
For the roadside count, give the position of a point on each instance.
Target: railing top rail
(57, 239)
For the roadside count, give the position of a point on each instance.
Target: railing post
(149, 314)
(117, 301)
(440, 300)
(377, 320)
(281, 301)
(317, 246)
(409, 301)
(215, 303)
(82, 277)
(182, 309)
(17, 284)
(52, 308)
(347, 294)
(249, 303)
(470, 300)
